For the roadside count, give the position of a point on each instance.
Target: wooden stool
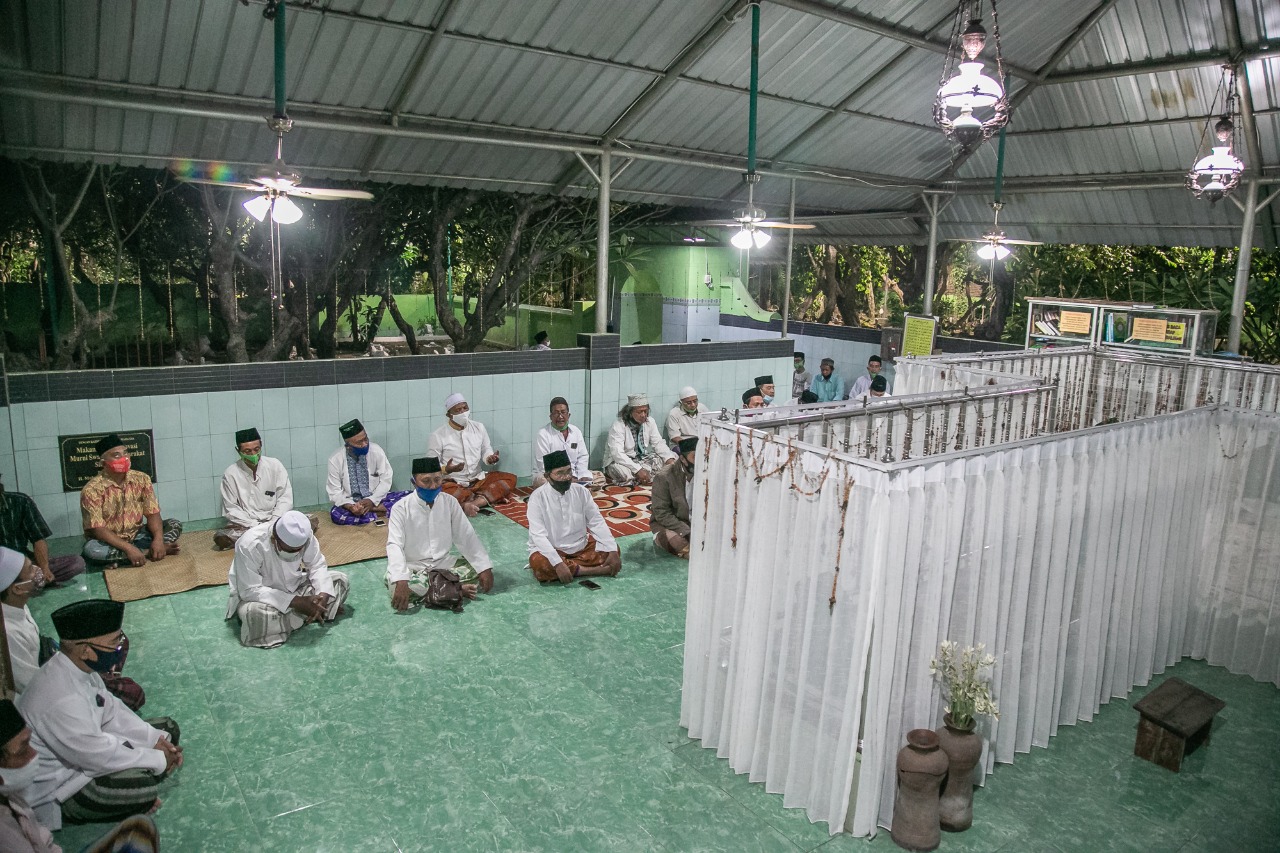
(1176, 719)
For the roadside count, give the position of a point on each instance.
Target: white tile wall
(194, 432)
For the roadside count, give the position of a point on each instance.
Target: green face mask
(251, 458)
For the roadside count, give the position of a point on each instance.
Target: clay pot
(963, 749)
(921, 767)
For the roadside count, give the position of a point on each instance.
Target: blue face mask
(768, 399)
(359, 451)
(428, 495)
(106, 660)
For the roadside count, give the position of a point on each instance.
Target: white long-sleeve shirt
(621, 447)
(259, 574)
(562, 522)
(549, 440)
(470, 446)
(420, 537)
(338, 484)
(252, 497)
(80, 732)
(24, 644)
(681, 423)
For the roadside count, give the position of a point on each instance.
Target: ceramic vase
(921, 768)
(963, 748)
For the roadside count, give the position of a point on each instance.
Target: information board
(1075, 322)
(1149, 329)
(917, 335)
(1176, 333)
(80, 459)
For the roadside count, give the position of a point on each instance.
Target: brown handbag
(444, 591)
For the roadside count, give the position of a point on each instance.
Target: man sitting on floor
(635, 450)
(359, 481)
(421, 534)
(20, 832)
(562, 435)
(862, 384)
(682, 421)
(99, 760)
(827, 384)
(120, 513)
(255, 488)
(279, 581)
(752, 399)
(672, 494)
(23, 529)
(567, 534)
(28, 648)
(463, 446)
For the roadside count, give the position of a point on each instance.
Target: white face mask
(289, 557)
(14, 779)
(461, 419)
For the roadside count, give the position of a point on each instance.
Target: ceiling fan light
(258, 207)
(742, 239)
(285, 211)
(760, 237)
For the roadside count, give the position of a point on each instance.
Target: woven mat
(625, 508)
(199, 565)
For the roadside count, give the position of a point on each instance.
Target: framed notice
(1149, 329)
(1175, 333)
(80, 459)
(1075, 322)
(917, 335)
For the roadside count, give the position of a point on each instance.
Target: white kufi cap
(688, 391)
(452, 400)
(634, 400)
(293, 529)
(11, 563)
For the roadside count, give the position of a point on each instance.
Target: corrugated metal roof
(116, 82)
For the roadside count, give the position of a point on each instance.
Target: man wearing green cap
(421, 535)
(98, 760)
(120, 513)
(20, 831)
(255, 488)
(672, 494)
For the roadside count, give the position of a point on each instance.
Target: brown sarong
(496, 487)
(588, 557)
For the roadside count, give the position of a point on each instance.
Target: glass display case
(1124, 325)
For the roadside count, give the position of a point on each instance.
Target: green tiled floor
(546, 718)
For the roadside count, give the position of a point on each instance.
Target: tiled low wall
(194, 411)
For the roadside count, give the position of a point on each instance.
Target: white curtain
(1085, 561)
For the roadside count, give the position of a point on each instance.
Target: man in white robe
(19, 580)
(635, 449)
(682, 421)
(98, 760)
(255, 488)
(359, 480)
(567, 534)
(279, 581)
(423, 531)
(462, 445)
(562, 435)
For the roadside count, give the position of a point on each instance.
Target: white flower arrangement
(965, 676)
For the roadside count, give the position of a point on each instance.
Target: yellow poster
(1176, 333)
(1148, 329)
(917, 335)
(1075, 322)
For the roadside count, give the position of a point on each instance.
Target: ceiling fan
(994, 244)
(751, 221)
(275, 186)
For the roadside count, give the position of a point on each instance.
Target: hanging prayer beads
(844, 515)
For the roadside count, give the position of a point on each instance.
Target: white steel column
(932, 202)
(1242, 267)
(791, 232)
(602, 247)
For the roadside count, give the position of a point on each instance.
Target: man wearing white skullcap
(279, 581)
(462, 445)
(19, 580)
(635, 449)
(682, 421)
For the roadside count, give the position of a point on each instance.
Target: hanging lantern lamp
(971, 105)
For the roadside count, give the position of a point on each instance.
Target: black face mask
(561, 486)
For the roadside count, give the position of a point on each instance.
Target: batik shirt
(121, 509)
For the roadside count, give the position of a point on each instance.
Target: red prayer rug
(625, 508)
